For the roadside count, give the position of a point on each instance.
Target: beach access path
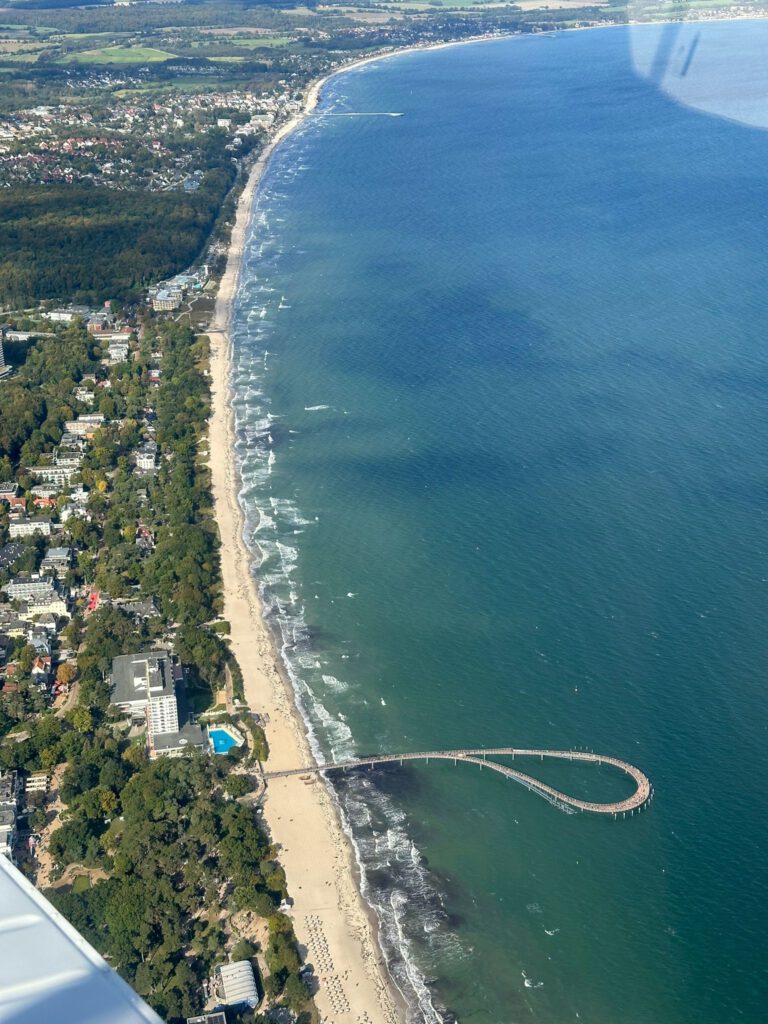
(331, 920)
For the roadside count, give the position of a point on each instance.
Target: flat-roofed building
(167, 299)
(29, 526)
(59, 475)
(142, 684)
(7, 830)
(85, 425)
(57, 560)
(22, 588)
(146, 457)
(175, 744)
(237, 984)
(37, 782)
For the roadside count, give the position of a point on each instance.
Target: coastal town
(91, 656)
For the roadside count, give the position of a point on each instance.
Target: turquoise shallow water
(500, 376)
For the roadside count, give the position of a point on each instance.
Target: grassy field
(259, 42)
(119, 55)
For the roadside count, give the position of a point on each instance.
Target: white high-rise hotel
(142, 684)
(144, 687)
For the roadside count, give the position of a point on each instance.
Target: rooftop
(189, 735)
(132, 674)
(238, 983)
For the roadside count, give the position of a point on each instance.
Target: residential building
(8, 489)
(79, 496)
(7, 830)
(146, 457)
(118, 352)
(21, 588)
(37, 782)
(73, 441)
(141, 609)
(85, 425)
(57, 560)
(84, 395)
(61, 476)
(11, 624)
(70, 457)
(6, 647)
(9, 797)
(28, 527)
(66, 316)
(9, 789)
(46, 604)
(41, 670)
(44, 491)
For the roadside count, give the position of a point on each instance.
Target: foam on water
(402, 893)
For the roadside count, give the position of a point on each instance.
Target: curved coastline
(316, 847)
(316, 851)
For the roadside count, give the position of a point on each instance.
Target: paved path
(636, 802)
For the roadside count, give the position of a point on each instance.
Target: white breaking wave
(337, 685)
(374, 824)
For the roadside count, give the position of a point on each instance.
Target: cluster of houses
(9, 809)
(113, 335)
(12, 789)
(66, 143)
(36, 606)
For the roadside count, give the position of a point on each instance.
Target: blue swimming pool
(222, 740)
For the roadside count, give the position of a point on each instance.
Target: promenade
(479, 756)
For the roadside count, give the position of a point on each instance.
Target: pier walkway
(636, 802)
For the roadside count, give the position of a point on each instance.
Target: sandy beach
(331, 920)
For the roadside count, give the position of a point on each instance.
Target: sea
(501, 391)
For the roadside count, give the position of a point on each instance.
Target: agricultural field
(118, 55)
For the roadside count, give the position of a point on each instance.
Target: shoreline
(305, 820)
(329, 910)
(318, 855)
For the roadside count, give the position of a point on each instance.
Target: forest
(91, 244)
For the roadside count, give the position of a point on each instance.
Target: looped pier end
(636, 802)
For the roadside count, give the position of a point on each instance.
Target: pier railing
(641, 797)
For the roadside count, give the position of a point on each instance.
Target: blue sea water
(501, 388)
